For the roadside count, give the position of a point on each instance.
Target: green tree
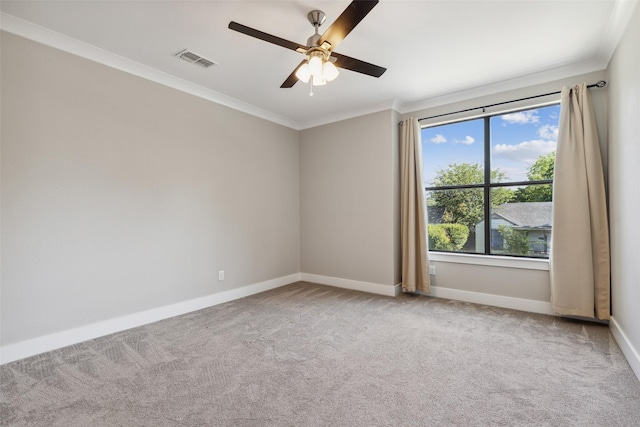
(447, 237)
(516, 242)
(466, 206)
(541, 169)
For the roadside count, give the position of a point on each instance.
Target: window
(489, 183)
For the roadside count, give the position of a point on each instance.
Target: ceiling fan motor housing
(316, 17)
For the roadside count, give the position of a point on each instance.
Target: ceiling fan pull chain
(311, 86)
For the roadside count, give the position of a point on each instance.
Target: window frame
(487, 185)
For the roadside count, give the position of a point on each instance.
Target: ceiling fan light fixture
(319, 67)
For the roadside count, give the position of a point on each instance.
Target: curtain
(579, 260)
(413, 223)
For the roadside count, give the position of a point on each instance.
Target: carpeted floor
(311, 355)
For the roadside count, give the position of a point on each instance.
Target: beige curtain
(580, 269)
(415, 264)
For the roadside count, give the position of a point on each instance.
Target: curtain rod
(600, 83)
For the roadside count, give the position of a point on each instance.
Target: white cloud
(527, 151)
(548, 132)
(468, 140)
(522, 117)
(514, 173)
(438, 139)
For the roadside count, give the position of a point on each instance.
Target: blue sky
(517, 140)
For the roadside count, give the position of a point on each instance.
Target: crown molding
(529, 79)
(618, 22)
(28, 30)
(348, 114)
(619, 19)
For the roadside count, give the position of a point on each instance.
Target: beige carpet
(310, 355)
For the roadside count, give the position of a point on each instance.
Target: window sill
(491, 261)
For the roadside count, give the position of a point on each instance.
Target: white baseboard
(373, 288)
(629, 351)
(57, 340)
(38, 345)
(521, 304)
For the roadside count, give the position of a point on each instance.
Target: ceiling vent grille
(194, 58)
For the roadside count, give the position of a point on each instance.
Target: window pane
(453, 217)
(521, 227)
(453, 154)
(523, 144)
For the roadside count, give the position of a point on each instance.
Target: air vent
(194, 58)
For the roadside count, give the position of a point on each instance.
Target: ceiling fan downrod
(316, 18)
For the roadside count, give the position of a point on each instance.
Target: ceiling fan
(321, 60)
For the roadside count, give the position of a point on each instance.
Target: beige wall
(348, 174)
(524, 283)
(121, 195)
(624, 175)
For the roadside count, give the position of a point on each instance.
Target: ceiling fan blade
(264, 36)
(348, 63)
(292, 79)
(352, 15)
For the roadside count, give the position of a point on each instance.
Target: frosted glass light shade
(315, 67)
(303, 73)
(330, 71)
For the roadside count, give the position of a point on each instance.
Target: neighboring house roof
(521, 215)
(526, 214)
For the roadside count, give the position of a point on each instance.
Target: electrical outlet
(221, 275)
(432, 269)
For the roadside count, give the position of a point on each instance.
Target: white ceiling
(431, 49)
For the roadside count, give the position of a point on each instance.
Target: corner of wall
(629, 351)
(395, 156)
